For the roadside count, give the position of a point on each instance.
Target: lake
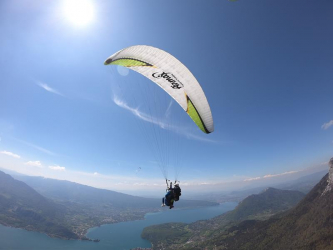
(119, 236)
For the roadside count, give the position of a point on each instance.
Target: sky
(266, 68)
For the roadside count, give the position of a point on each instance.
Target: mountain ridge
(182, 235)
(67, 191)
(308, 225)
(21, 206)
(67, 210)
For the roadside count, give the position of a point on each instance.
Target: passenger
(168, 199)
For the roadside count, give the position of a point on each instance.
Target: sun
(79, 12)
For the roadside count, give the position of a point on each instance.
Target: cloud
(146, 184)
(57, 168)
(10, 154)
(167, 112)
(270, 176)
(145, 117)
(34, 164)
(253, 179)
(48, 88)
(327, 125)
(275, 175)
(137, 113)
(36, 147)
(107, 177)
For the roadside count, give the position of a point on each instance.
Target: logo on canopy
(175, 83)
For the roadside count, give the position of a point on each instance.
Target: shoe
(163, 205)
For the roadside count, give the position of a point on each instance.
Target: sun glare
(79, 12)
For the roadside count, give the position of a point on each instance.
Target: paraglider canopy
(172, 76)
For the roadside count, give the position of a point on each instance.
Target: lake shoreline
(82, 236)
(88, 230)
(123, 235)
(168, 210)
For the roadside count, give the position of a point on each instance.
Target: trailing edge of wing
(172, 76)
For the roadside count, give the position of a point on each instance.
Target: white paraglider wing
(172, 76)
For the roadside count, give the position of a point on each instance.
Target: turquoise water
(124, 235)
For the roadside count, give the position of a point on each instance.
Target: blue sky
(266, 68)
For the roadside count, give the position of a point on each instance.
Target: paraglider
(175, 79)
(172, 195)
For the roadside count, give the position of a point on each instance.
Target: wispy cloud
(137, 113)
(10, 154)
(36, 147)
(157, 121)
(275, 175)
(253, 179)
(34, 164)
(327, 125)
(104, 176)
(57, 168)
(167, 112)
(270, 176)
(48, 88)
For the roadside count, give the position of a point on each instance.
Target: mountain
(21, 206)
(303, 184)
(67, 210)
(264, 205)
(70, 192)
(10, 172)
(260, 206)
(66, 191)
(309, 225)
